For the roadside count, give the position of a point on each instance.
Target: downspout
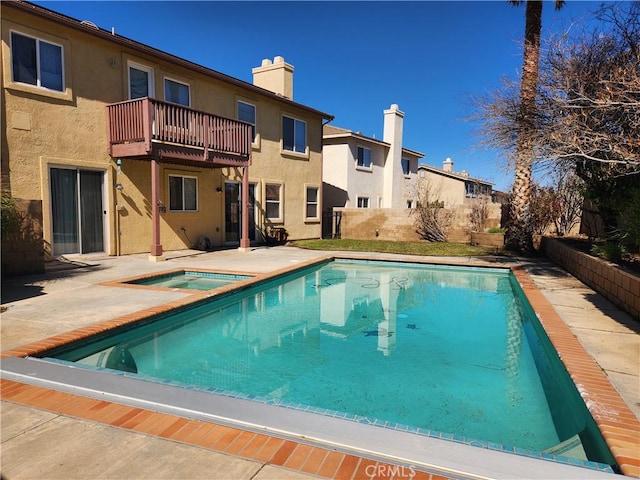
(119, 208)
(244, 240)
(156, 247)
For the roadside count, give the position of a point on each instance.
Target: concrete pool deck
(44, 436)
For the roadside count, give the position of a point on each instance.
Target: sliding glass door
(77, 211)
(233, 212)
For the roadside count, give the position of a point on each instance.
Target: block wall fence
(398, 224)
(620, 287)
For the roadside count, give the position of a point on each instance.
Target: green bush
(608, 251)
(10, 216)
(629, 222)
(496, 230)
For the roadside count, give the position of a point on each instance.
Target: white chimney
(276, 76)
(447, 165)
(393, 176)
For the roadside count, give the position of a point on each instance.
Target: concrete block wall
(398, 224)
(487, 239)
(620, 287)
(392, 224)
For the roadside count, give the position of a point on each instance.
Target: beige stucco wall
(44, 129)
(445, 189)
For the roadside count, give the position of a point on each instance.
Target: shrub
(608, 251)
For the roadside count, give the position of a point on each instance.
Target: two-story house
(452, 188)
(364, 172)
(133, 150)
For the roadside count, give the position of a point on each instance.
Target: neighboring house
(364, 172)
(452, 188)
(134, 150)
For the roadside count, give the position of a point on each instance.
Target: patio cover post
(244, 240)
(156, 247)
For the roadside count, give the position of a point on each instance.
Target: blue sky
(355, 59)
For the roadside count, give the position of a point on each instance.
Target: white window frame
(306, 139)
(280, 186)
(254, 141)
(143, 68)
(164, 86)
(363, 167)
(182, 177)
(38, 41)
(363, 200)
(307, 203)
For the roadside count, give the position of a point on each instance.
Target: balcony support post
(156, 248)
(245, 244)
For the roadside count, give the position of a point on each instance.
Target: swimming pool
(389, 322)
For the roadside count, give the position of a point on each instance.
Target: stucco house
(364, 172)
(133, 150)
(451, 187)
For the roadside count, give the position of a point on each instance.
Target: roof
(91, 29)
(330, 131)
(458, 176)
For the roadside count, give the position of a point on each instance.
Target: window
(363, 202)
(272, 200)
(140, 81)
(363, 158)
(36, 62)
(177, 92)
(409, 203)
(183, 193)
(294, 135)
(247, 113)
(405, 166)
(311, 211)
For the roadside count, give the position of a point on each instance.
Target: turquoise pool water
(443, 349)
(191, 280)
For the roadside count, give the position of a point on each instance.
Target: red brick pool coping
(617, 423)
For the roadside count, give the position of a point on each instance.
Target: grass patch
(433, 249)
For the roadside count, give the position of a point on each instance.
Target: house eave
(457, 176)
(140, 47)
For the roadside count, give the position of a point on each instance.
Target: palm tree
(519, 235)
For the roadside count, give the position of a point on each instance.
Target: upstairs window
(36, 62)
(363, 157)
(183, 194)
(140, 81)
(363, 202)
(247, 113)
(177, 92)
(294, 135)
(405, 166)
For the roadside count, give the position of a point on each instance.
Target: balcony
(145, 127)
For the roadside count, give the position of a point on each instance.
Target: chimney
(276, 76)
(393, 176)
(447, 165)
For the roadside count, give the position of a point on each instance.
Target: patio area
(54, 440)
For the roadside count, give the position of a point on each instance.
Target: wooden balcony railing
(137, 127)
